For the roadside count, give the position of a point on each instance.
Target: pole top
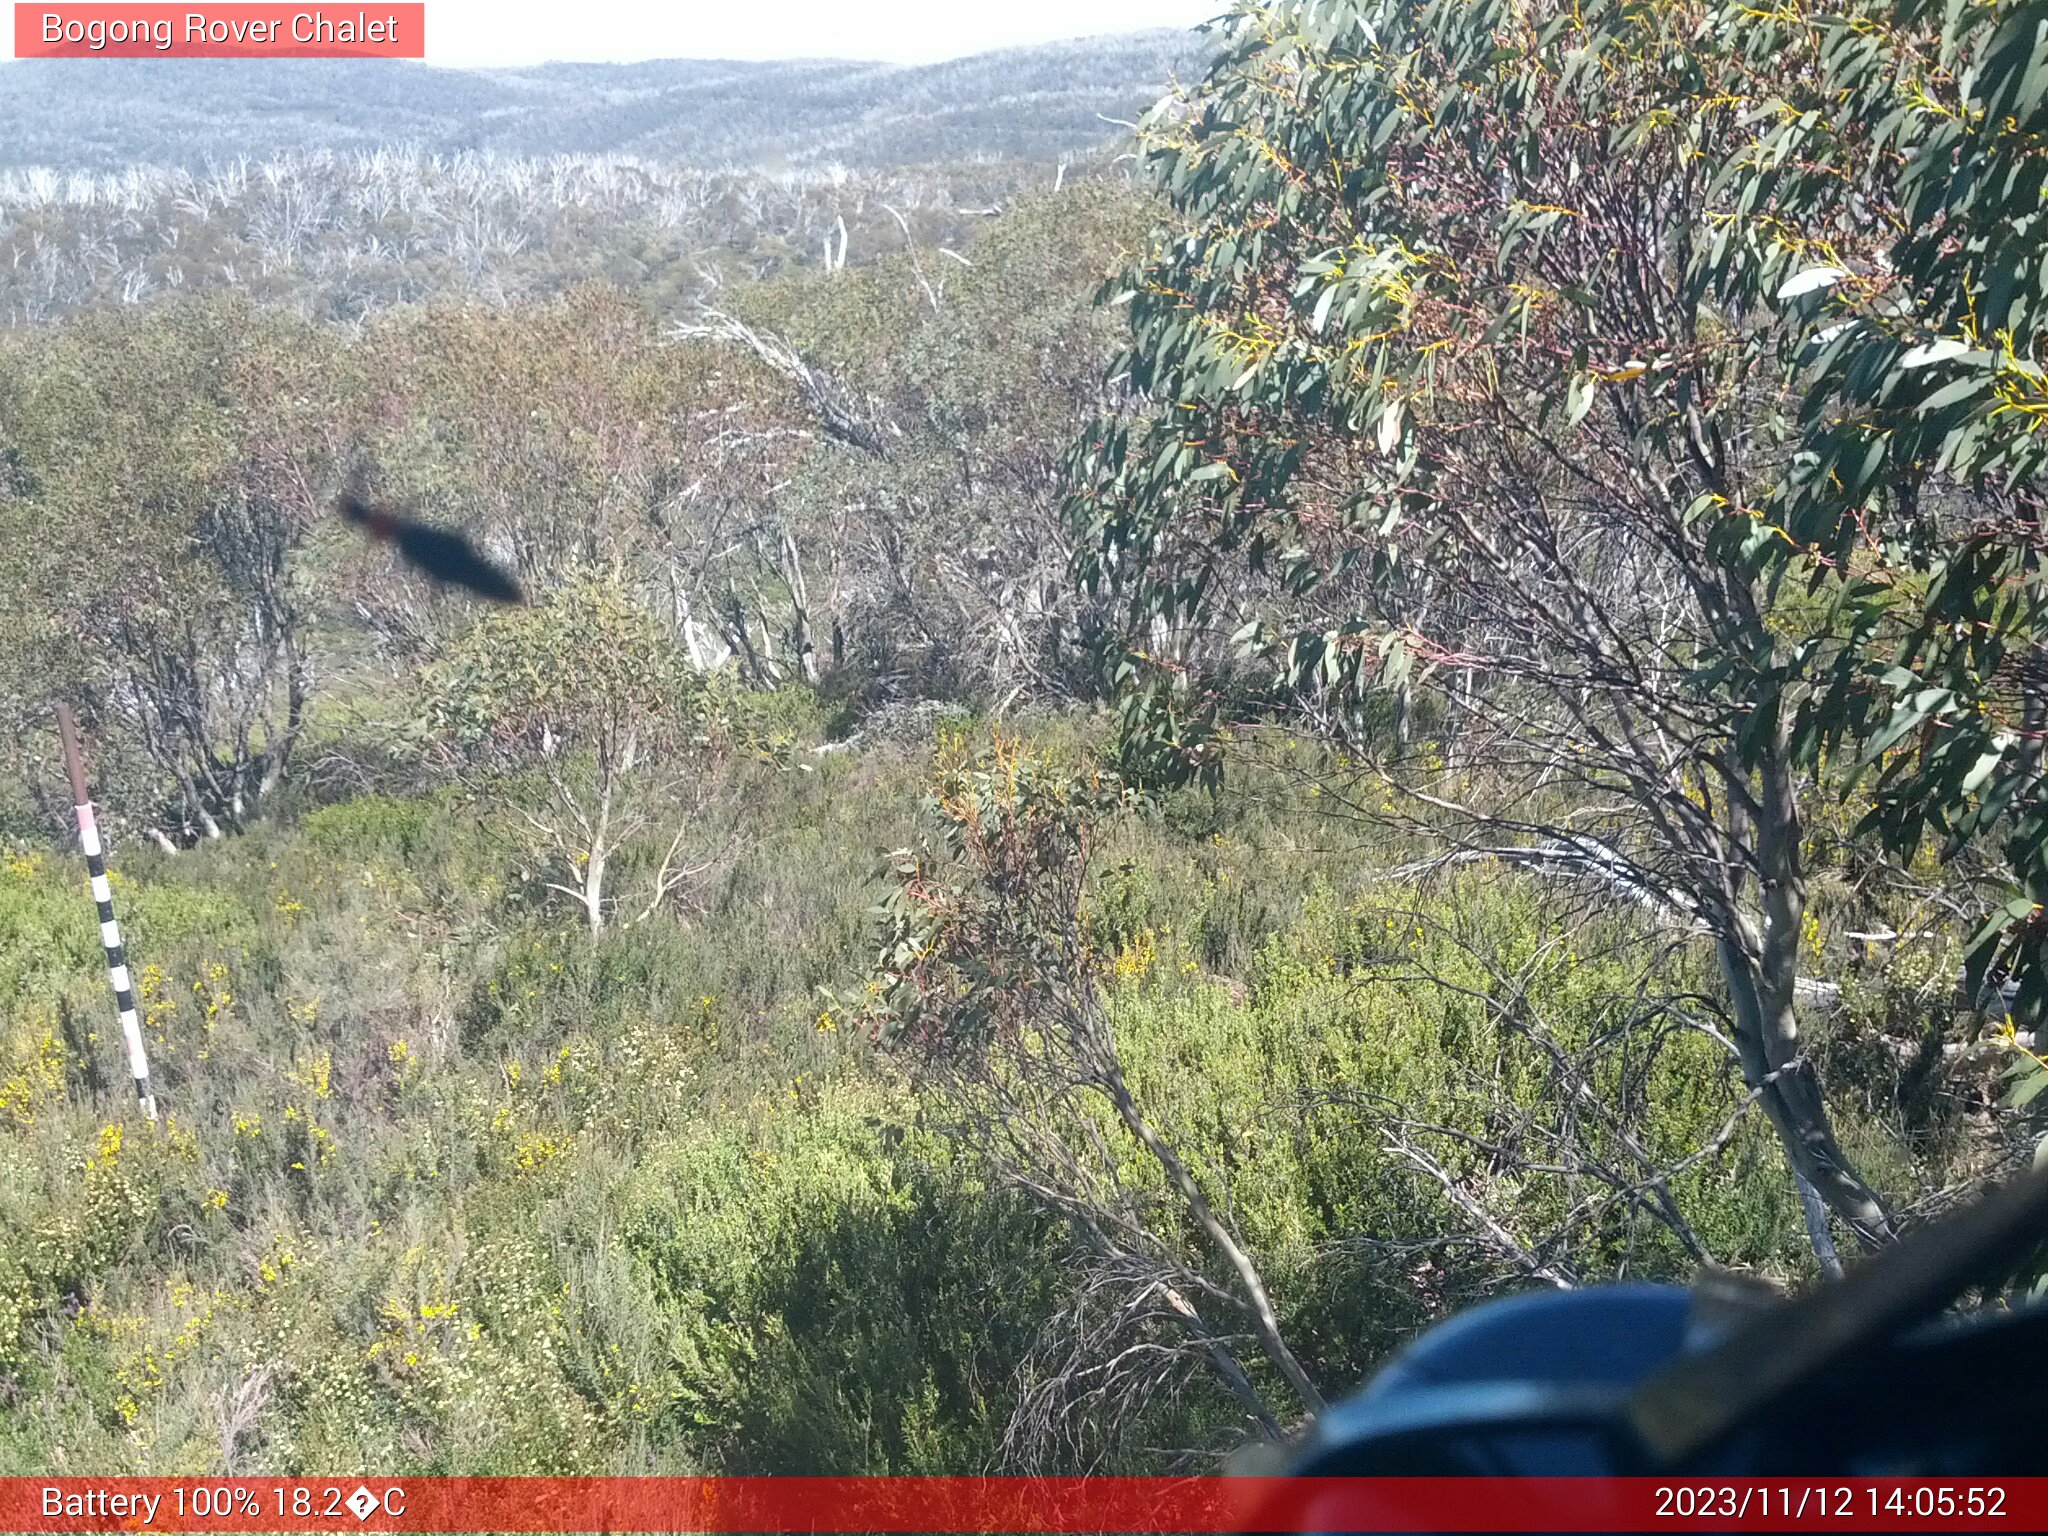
(74, 762)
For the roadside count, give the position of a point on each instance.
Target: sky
(496, 33)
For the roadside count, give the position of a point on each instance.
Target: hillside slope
(1038, 103)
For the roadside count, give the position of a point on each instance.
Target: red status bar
(374, 31)
(1020, 1504)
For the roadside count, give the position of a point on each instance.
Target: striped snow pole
(103, 897)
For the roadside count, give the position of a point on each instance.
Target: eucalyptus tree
(164, 471)
(922, 523)
(1892, 196)
(1480, 350)
(549, 429)
(581, 715)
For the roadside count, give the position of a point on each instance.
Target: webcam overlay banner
(377, 31)
(1030, 1506)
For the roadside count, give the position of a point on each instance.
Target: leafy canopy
(1464, 296)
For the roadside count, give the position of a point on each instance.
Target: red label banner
(375, 31)
(1050, 1506)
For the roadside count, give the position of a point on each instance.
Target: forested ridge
(1122, 782)
(1039, 103)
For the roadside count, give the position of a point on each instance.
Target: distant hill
(1041, 103)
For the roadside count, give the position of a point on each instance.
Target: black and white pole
(103, 897)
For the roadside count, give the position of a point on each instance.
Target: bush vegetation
(1008, 904)
(446, 1185)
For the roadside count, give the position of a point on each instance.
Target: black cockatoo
(438, 552)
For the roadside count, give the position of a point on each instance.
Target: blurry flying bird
(441, 553)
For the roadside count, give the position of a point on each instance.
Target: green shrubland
(1011, 903)
(444, 1184)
